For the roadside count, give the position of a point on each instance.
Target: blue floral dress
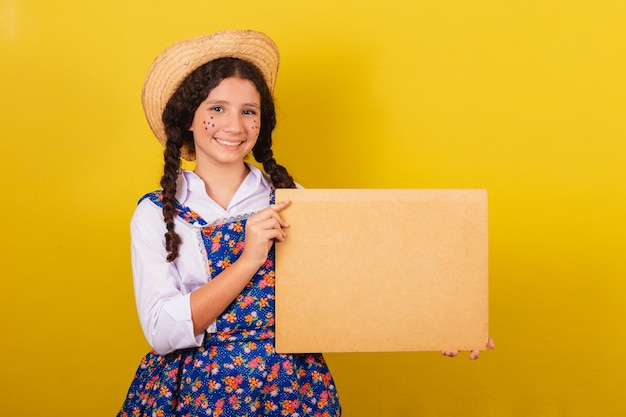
(236, 372)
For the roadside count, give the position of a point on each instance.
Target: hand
(474, 354)
(261, 231)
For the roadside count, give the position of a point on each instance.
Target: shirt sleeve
(163, 306)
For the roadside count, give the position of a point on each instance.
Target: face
(226, 125)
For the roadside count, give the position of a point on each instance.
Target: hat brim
(179, 60)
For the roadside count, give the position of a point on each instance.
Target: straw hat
(179, 60)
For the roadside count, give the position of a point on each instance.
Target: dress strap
(183, 212)
(191, 216)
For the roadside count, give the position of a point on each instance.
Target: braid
(262, 150)
(278, 173)
(177, 117)
(171, 169)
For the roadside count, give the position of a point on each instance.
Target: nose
(234, 123)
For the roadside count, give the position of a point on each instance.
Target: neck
(221, 183)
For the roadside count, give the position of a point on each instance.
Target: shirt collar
(188, 179)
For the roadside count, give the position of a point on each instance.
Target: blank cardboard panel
(382, 270)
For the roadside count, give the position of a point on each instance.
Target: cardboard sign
(382, 270)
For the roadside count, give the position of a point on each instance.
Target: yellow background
(524, 98)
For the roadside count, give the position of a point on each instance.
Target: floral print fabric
(236, 372)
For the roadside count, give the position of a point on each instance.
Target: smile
(227, 143)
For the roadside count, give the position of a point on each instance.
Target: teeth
(224, 142)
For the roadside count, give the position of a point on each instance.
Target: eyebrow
(213, 102)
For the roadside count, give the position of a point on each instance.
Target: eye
(249, 112)
(218, 109)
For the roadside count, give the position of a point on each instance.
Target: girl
(202, 247)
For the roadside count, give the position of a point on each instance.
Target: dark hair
(178, 116)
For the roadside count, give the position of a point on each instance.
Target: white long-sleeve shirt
(162, 289)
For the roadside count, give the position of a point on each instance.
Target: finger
(474, 354)
(273, 234)
(450, 353)
(263, 236)
(491, 344)
(277, 208)
(265, 219)
(269, 224)
(271, 212)
(277, 234)
(266, 224)
(280, 205)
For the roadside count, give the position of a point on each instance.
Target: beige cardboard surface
(382, 270)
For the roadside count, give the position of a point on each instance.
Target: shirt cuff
(175, 327)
